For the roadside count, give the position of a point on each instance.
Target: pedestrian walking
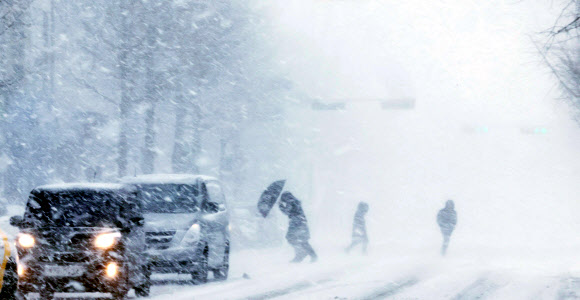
(359, 228)
(298, 233)
(447, 219)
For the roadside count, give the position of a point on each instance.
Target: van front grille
(159, 239)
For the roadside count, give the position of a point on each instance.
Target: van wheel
(199, 276)
(221, 273)
(144, 289)
(120, 294)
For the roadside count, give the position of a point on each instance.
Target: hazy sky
(468, 64)
(474, 52)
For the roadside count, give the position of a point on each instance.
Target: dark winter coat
(298, 227)
(359, 227)
(447, 218)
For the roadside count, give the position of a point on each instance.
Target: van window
(215, 192)
(168, 198)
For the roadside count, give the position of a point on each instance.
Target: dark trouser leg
(356, 242)
(300, 253)
(310, 251)
(352, 245)
(445, 244)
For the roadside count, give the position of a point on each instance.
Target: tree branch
(23, 8)
(569, 27)
(85, 84)
(555, 72)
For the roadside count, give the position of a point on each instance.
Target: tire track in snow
(287, 290)
(480, 289)
(569, 288)
(390, 289)
(329, 276)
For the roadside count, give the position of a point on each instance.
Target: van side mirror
(16, 221)
(211, 207)
(138, 221)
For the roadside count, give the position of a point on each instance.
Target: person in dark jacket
(359, 228)
(447, 219)
(298, 233)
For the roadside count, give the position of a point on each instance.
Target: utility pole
(404, 103)
(48, 32)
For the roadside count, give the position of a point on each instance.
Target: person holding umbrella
(270, 196)
(298, 233)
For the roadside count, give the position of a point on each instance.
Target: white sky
(468, 63)
(469, 51)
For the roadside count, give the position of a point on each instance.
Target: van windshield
(79, 208)
(168, 198)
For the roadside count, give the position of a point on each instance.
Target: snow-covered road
(380, 275)
(387, 272)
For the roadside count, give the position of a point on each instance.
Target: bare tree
(14, 123)
(561, 51)
(13, 11)
(115, 37)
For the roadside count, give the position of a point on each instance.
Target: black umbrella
(269, 197)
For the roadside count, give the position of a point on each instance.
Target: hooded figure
(447, 218)
(359, 228)
(298, 233)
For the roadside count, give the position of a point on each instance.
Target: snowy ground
(382, 274)
(387, 274)
(389, 271)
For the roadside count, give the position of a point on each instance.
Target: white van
(186, 224)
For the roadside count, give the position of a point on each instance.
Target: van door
(216, 219)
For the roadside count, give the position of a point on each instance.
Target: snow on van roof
(166, 178)
(80, 186)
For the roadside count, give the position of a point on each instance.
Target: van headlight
(26, 240)
(107, 240)
(192, 235)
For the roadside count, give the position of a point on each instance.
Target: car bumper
(93, 278)
(176, 260)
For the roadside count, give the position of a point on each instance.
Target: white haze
(469, 64)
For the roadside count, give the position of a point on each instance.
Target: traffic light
(476, 129)
(386, 104)
(398, 103)
(535, 130)
(317, 105)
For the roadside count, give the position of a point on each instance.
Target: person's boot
(297, 260)
(299, 257)
(313, 258)
(347, 249)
